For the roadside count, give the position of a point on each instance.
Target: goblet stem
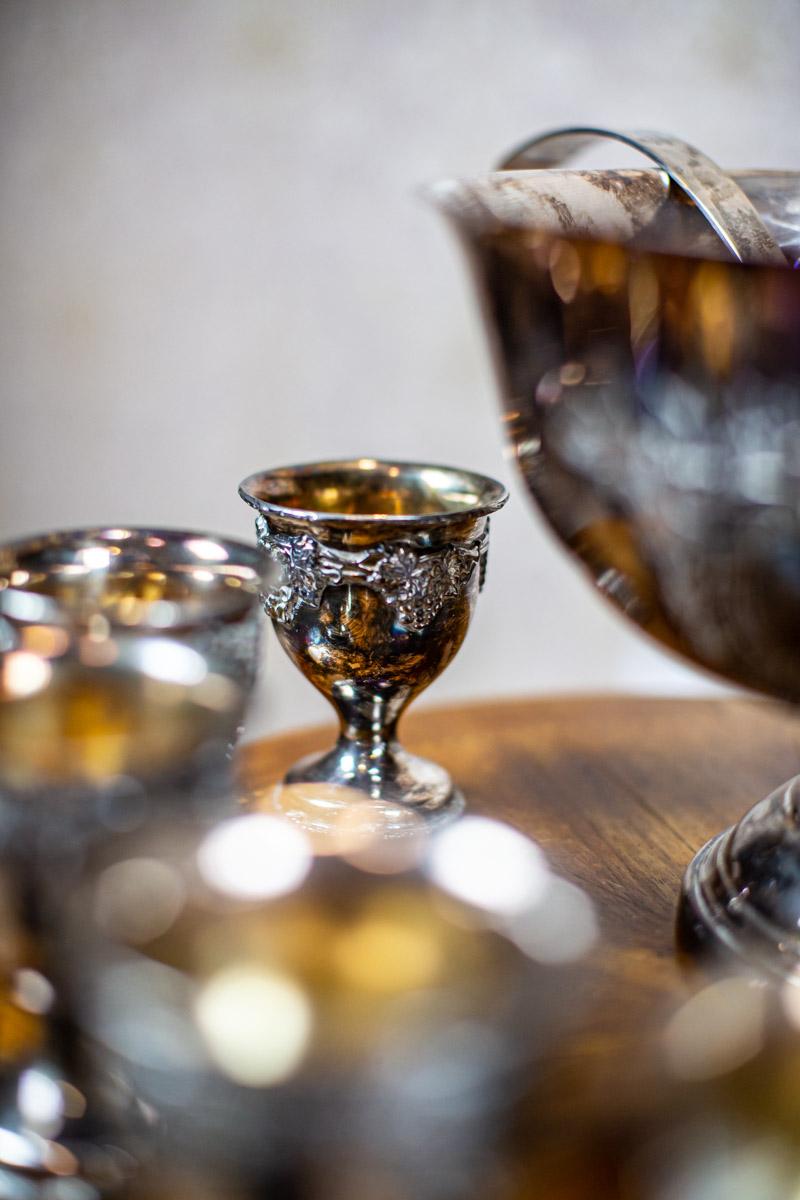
(370, 713)
(378, 766)
(369, 758)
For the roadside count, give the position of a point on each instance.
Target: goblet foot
(401, 787)
(740, 897)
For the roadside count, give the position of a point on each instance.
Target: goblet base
(402, 789)
(740, 898)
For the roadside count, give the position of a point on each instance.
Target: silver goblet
(381, 566)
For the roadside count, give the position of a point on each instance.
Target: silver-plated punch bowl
(650, 381)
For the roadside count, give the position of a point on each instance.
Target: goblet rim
(25, 604)
(491, 494)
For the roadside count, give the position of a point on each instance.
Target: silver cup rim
(28, 605)
(489, 494)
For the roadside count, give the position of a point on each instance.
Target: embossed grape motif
(414, 582)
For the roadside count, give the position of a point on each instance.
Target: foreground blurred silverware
(127, 660)
(96, 738)
(651, 393)
(381, 567)
(198, 588)
(301, 1026)
(701, 1102)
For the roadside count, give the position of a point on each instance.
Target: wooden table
(619, 792)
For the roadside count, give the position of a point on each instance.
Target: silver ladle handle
(718, 197)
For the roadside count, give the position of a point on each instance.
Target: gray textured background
(213, 258)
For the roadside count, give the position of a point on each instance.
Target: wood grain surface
(619, 792)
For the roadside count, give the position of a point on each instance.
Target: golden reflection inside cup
(87, 718)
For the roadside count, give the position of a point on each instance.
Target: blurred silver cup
(127, 661)
(298, 1022)
(198, 589)
(97, 737)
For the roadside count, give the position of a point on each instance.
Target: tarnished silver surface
(651, 394)
(381, 566)
(636, 207)
(415, 582)
(716, 194)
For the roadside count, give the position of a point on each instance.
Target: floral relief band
(413, 581)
